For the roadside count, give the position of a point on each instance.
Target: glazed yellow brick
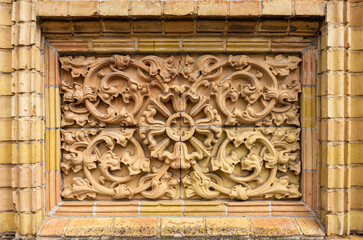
(356, 197)
(52, 149)
(6, 106)
(5, 15)
(332, 130)
(28, 129)
(334, 177)
(5, 40)
(21, 57)
(354, 107)
(355, 152)
(5, 84)
(335, 59)
(5, 130)
(6, 199)
(7, 222)
(204, 208)
(331, 83)
(335, 36)
(161, 208)
(5, 175)
(335, 12)
(336, 224)
(354, 84)
(29, 223)
(356, 39)
(332, 153)
(5, 61)
(29, 200)
(52, 106)
(308, 109)
(357, 176)
(28, 152)
(356, 220)
(24, 13)
(6, 152)
(28, 176)
(355, 59)
(114, 8)
(332, 107)
(354, 129)
(335, 201)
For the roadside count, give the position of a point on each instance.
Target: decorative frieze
(209, 126)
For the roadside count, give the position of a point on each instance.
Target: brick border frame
(56, 207)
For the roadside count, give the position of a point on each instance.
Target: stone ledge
(179, 8)
(185, 227)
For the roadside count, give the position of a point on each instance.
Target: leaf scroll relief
(168, 127)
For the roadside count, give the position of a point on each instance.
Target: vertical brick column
(27, 119)
(340, 124)
(7, 211)
(354, 109)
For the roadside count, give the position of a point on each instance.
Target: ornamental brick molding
(203, 126)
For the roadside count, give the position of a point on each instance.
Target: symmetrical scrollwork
(130, 124)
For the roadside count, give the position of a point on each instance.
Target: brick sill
(180, 208)
(186, 227)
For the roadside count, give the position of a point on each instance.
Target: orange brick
(82, 8)
(309, 227)
(212, 7)
(315, 8)
(260, 208)
(135, 227)
(53, 227)
(228, 226)
(145, 8)
(183, 226)
(179, 7)
(244, 8)
(274, 227)
(114, 8)
(276, 7)
(89, 227)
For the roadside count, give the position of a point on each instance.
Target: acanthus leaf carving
(176, 118)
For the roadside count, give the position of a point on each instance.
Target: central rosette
(176, 127)
(175, 132)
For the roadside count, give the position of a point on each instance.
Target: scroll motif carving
(193, 127)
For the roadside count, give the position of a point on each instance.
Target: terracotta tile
(274, 227)
(248, 209)
(135, 227)
(111, 208)
(228, 226)
(75, 209)
(54, 227)
(289, 209)
(89, 227)
(183, 226)
(309, 227)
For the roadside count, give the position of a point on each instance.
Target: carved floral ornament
(184, 127)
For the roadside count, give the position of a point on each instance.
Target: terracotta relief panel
(161, 127)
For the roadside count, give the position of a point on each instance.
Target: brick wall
(339, 98)
(340, 118)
